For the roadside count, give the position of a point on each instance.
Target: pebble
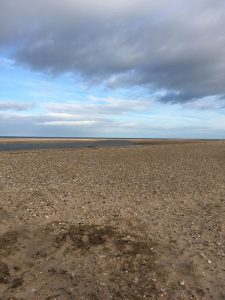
(85, 239)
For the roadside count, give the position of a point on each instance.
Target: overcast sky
(121, 68)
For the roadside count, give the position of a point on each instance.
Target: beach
(137, 222)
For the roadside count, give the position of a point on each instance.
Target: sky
(128, 68)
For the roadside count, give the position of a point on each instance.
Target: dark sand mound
(67, 261)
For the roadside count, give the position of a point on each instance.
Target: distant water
(60, 145)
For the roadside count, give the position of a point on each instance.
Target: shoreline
(28, 144)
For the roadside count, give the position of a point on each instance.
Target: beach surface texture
(136, 222)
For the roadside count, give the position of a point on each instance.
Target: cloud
(174, 46)
(16, 106)
(101, 106)
(6, 63)
(206, 103)
(71, 123)
(158, 125)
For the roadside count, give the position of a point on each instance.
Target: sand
(141, 222)
(43, 140)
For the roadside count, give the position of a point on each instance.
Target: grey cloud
(178, 46)
(6, 105)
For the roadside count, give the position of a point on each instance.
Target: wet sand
(114, 223)
(15, 144)
(60, 144)
(42, 140)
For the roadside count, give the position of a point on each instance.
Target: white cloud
(70, 123)
(61, 115)
(6, 62)
(101, 106)
(159, 124)
(211, 102)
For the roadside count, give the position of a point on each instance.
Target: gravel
(114, 223)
